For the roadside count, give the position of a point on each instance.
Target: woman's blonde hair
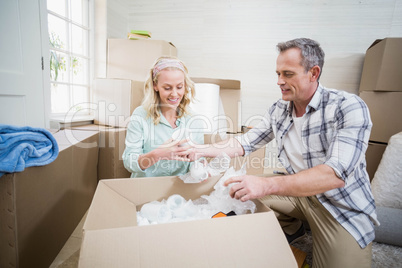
(151, 101)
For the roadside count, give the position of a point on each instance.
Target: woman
(164, 110)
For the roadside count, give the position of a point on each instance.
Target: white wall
(117, 18)
(236, 39)
(111, 21)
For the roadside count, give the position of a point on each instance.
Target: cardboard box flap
(381, 70)
(92, 127)
(67, 138)
(144, 190)
(116, 201)
(223, 83)
(223, 242)
(109, 209)
(72, 137)
(375, 43)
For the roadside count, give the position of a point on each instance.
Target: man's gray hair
(311, 52)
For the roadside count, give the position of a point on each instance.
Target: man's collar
(314, 102)
(316, 99)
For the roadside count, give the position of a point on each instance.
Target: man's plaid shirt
(335, 133)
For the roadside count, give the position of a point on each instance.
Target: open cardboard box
(113, 239)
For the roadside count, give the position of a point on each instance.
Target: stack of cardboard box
(381, 89)
(41, 206)
(127, 67)
(117, 95)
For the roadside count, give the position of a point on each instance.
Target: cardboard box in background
(111, 148)
(385, 111)
(255, 162)
(382, 66)
(116, 100)
(65, 122)
(112, 145)
(133, 59)
(112, 237)
(229, 91)
(231, 101)
(41, 206)
(373, 157)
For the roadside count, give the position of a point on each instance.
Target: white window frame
(85, 114)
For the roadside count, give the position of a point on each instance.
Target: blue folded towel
(22, 147)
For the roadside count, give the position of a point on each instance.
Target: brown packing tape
(300, 256)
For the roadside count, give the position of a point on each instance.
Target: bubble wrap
(176, 208)
(215, 167)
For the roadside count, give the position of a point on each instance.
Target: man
(322, 136)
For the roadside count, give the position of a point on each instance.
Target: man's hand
(189, 153)
(247, 187)
(312, 181)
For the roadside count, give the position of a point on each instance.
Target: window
(69, 32)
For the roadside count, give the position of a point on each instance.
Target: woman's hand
(169, 150)
(172, 150)
(189, 152)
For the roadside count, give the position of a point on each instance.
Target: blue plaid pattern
(335, 133)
